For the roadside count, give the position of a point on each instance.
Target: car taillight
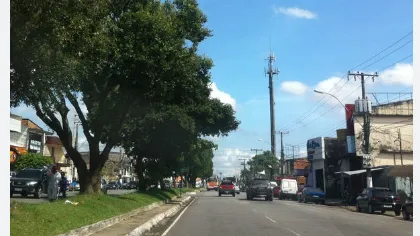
(397, 199)
(373, 198)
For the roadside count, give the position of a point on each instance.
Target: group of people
(57, 182)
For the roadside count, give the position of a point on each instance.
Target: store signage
(315, 149)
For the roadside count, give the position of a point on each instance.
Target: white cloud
(294, 87)
(400, 74)
(345, 92)
(227, 161)
(295, 12)
(222, 96)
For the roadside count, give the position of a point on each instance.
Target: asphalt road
(212, 215)
(32, 200)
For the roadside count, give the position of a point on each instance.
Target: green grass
(57, 218)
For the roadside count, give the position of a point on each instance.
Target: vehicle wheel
(405, 214)
(323, 202)
(220, 194)
(358, 209)
(304, 200)
(397, 212)
(270, 199)
(233, 194)
(38, 193)
(383, 211)
(370, 209)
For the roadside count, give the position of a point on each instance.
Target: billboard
(315, 149)
(350, 140)
(349, 119)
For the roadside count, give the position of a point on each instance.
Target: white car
(237, 190)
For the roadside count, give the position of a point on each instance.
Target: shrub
(32, 160)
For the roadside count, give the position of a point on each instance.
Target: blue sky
(315, 43)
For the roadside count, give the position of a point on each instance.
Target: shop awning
(401, 171)
(356, 172)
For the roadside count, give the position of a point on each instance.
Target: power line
(310, 110)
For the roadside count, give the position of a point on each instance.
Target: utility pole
(282, 152)
(243, 175)
(365, 109)
(271, 71)
(399, 139)
(256, 154)
(76, 142)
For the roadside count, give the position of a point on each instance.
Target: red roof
(53, 140)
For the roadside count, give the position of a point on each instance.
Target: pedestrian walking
(63, 184)
(54, 179)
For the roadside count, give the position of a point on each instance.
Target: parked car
(237, 189)
(30, 181)
(288, 189)
(112, 185)
(311, 194)
(405, 208)
(377, 199)
(74, 186)
(260, 188)
(227, 187)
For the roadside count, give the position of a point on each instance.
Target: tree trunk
(139, 168)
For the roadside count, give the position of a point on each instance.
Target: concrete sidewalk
(142, 222)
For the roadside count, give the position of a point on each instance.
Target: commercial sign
(350, 139)
(315, 149)
(350, 119)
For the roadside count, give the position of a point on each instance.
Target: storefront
(316, 157)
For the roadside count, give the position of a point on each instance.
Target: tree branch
(82, 117)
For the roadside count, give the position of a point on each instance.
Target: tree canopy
(129, 69)
(262, 162)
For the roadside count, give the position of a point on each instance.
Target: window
(381, 192)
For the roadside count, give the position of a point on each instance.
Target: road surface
(32, 200)
(212, 215)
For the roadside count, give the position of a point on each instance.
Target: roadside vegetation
(57, 218)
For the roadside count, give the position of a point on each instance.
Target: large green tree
(264, 162)
(120, 59)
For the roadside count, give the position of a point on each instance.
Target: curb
(145, 227)
(96, 227)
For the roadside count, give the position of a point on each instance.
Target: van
(288, 189)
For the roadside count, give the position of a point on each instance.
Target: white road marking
(293, 232)
(176, 220)
(268, 218)
(254, 210)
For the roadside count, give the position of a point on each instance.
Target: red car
(227, 187)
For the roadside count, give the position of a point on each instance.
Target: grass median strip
(57, 218)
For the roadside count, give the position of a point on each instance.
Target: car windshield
(227, 183)
(29, 174)
(112, 182)
(314, 190)
(382, 192)
(212, 179)
(260, 181)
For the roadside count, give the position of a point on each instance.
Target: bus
(212, 183)
(233, 179)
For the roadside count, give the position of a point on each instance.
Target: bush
(32, 160)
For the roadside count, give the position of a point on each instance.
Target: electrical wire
(299, 120)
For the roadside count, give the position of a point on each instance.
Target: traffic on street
(210, 214)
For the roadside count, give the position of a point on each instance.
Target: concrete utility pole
(244, 164)
(76, 143)
(282, 152)
(399, 140)
(366, 123)
(271, 71)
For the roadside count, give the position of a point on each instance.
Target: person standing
(54, 179)
(63, 184)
